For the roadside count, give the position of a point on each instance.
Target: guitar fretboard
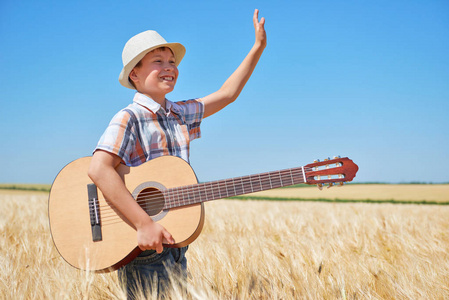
(226, 188)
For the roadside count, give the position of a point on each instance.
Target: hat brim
(178, 50)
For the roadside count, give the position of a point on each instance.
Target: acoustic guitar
(91, 234)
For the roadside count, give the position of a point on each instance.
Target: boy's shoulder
(132, 112)
(187, 106)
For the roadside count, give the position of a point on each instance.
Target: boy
(153, 126)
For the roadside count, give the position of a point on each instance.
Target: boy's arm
(150, 235)
(235, 83)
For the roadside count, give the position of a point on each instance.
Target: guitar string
(172, 196)
(111, 218)
(194, 189)
(222, 184)
(200, 187)
(108, 210)
(108, 214)
(276, 177)
(114, 218)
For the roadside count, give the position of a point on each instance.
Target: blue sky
(363, 79)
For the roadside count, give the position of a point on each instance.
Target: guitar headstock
(331, 171)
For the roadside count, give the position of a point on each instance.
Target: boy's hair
(140, 62)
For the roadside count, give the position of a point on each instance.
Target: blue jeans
(149, 272)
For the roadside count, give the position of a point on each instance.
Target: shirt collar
(152, 105)
(147, 102)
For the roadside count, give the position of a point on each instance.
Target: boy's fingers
(168, 237)
(256, 17)
(159, 248)
(258, 24)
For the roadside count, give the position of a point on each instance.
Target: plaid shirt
(144, 130)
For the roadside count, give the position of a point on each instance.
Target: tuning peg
(326, 159)
(337, 157)
(320, 186)
(330, 185)
(316, 168)
(341, 183)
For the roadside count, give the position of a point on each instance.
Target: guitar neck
(213, 190)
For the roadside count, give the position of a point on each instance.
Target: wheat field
(254, 250)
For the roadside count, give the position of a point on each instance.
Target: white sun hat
(138, 46)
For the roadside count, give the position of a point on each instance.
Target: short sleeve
(119, 137)
(192, 112)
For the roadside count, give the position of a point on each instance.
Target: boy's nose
(168, 65)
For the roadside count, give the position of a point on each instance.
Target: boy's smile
(156, 74)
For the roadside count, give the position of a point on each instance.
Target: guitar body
(70, 215)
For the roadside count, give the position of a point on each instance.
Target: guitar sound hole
(151, 200)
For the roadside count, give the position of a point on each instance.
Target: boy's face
(156, 74)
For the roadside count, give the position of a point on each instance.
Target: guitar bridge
(94, 212)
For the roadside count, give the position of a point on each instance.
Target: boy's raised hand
(232, 87)
(261, 36)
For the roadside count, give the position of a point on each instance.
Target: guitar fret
(225, 189)
(235, 187)
(219, 192)
(281, 175)
(191, 195)
(183, 196)
(275, 180)
(222, 188)
(202, 194)
(169, 196)
(179, 200)
(291, 175)
(196, 191)
(212, 190)
(250, 183)
(217, 186)
(269, 177)
(300, 176)
(186, 195)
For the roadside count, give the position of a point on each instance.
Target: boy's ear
(133, 75)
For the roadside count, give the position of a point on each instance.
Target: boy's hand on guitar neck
(151, 236)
